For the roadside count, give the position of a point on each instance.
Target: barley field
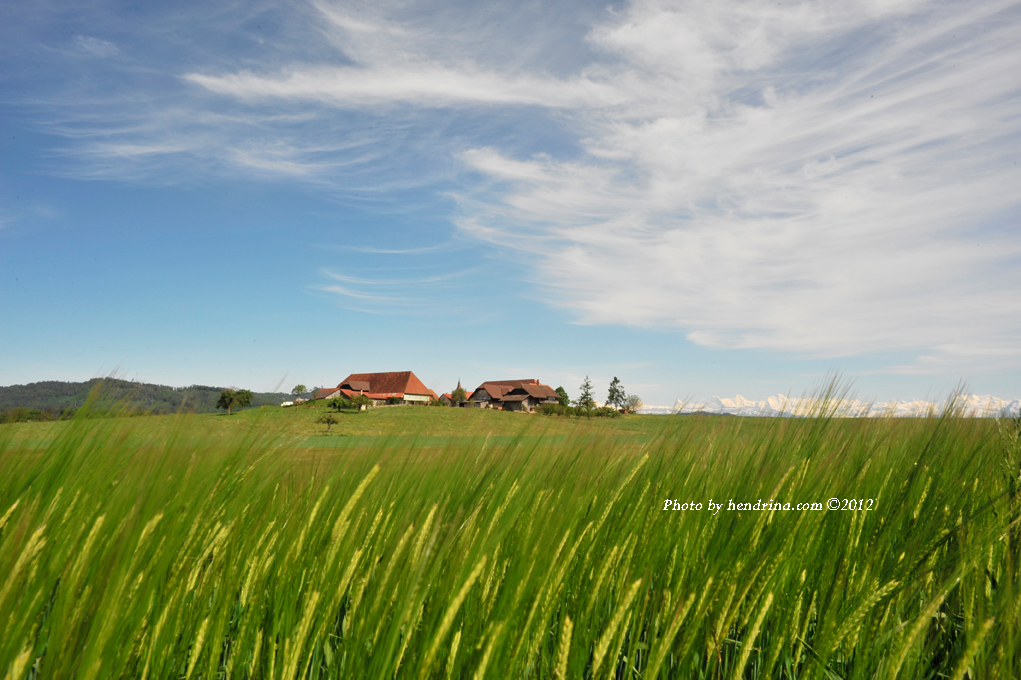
(260, 551)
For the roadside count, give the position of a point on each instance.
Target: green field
(415, 542)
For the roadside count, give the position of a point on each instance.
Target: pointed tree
(585, 402)
(616, 396)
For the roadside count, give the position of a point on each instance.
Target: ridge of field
(300, 424)
(467, 544)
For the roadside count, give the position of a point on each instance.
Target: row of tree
(616, 398)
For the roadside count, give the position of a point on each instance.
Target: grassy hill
(300, 426)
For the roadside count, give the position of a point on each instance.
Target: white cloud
(430, 84)
(97, 46)
(863, 202)
(818, 177)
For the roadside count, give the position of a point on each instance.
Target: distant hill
(55, 396)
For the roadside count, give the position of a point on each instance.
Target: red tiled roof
(494, 390)
(498, 389)
(395, 384)
(325, 392)
(539, 391)
(356, 385)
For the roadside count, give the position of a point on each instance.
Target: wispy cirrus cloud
(97, 46)
(836, 185)
(377, 293)
(813, 177)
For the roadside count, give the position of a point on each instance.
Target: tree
(632, 403)
(585, 402)
(616, 396)
(234, 399)
(565, 400)
(328, 419)
(458, 395)
(298, 390)
(338, 403)
(361, 400)
(244, 398)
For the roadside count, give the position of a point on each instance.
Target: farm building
(327, 393)
(513, 395)
(404, 387)
(448, 397)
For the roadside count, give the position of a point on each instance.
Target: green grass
(436, 543)
(301, 422)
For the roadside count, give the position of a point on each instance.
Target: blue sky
(701, 198)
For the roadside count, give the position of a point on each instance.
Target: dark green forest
(54, 399)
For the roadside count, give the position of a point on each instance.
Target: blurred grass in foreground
(533, 556)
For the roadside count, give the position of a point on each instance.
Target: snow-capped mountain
(972, 405)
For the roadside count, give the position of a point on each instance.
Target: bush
(393, 401)
(557, 410)
(338, 403)
(26, 415)
(605, 412)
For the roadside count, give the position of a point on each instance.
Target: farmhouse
(513, 395)
(327, 393)
(402, 387)
(447, 398)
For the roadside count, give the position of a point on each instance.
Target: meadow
(416, 542)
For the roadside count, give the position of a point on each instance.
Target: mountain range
(972, 405)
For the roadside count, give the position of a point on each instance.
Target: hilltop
(55, 396)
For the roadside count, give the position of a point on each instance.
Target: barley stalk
(964, 665)
(749, 642)
(448, 616)
(604, 641)
(564, 650)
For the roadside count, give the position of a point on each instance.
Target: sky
(709, 197)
